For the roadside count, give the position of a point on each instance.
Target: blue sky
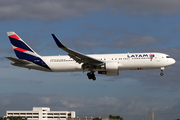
(92, 27)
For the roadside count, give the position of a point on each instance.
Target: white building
(42, 113)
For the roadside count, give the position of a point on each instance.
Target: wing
(78, 57)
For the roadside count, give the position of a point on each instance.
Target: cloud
(6, 50)
(78, 43)
(45, 100)
(134, 40)
(172, 112)
(112, 38)
(45, 10)
(146, 7)
(176, 30)
(128, 107)
(81, 42)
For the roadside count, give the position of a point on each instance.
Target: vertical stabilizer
(24, 52)
(21, 49)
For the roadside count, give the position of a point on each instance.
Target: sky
(92, 27)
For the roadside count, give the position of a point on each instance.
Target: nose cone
(172, 61)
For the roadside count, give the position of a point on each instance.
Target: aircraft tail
(21, 49)
(25, 53)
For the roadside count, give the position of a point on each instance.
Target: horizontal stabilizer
(18, 60)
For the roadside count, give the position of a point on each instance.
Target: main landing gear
(162, 70)
(91, 75)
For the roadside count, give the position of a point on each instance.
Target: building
(42, 113)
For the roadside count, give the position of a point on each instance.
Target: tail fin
(21, 49)
(25, 54)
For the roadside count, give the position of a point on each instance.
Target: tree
(10, 117)
(118, 117)
(110, 116)
(97, 118)
(14, 118)
(19, 118)
(24, 119)
(113, 117)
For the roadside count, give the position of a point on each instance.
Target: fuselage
(128, 61)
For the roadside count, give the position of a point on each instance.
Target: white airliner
(107, 64)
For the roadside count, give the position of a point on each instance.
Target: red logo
(151, 55)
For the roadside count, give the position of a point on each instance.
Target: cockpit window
(168, 57)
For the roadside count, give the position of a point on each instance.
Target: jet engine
(111, 69)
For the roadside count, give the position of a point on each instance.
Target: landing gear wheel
(161, 73)
(162, 70)
(91, 75)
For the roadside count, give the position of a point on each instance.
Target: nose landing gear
(161, 73)
(162, 70)
(91, 75)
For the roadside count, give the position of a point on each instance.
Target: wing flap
(78, 57)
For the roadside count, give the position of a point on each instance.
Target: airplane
(105, 64)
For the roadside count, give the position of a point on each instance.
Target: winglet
(58, 42)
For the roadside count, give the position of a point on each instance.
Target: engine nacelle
(111, 69)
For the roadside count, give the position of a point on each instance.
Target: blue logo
(137, 55)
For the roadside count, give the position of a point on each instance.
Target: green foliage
(115, 117)
(13, 118)
(97, 118)
(110, 116)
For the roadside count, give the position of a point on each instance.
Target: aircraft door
(157, 58)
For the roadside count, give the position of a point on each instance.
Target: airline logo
(14, 36)
(23, 51)
(140, 55)
(151, 55)
(20, 46)
(17, 41)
